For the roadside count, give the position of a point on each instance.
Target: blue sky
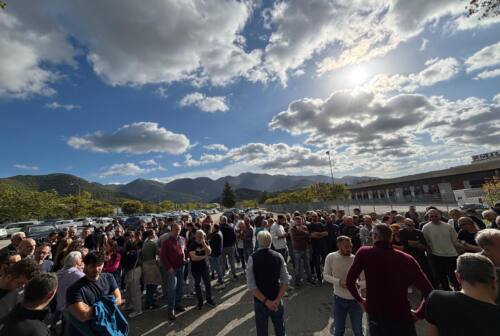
(113, 91)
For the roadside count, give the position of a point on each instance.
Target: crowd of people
(67, 283)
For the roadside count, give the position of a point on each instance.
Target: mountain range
(201, 189)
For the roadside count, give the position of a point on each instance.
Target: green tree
(150, 207)
(249, 204)
(228, 196)
(492, 191)
(167, 205)
(132, 207)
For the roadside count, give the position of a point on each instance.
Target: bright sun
(357, 76)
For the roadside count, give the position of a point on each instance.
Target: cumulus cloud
(29, 44)
(136, 138)
(205, 103)
(488, 56)
(361, 29)
(131, 169)
(26, 167)
(488, 74)
(67, 107)
(390, 127)
(216, 147)
(166, 41)
(437, 70)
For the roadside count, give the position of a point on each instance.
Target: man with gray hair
(472, 311)
(489, 241)
(267, 280)
(68, 275)
(491, 217)
(15, 240)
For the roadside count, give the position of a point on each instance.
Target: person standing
(389, 273)
(228, 246)
(413, 214)
(15, 240)
(199, 251)
(12, 280)
(489, 241)
(337, 266)
(442, 240)
(415, 245)
(300, 241)
(81, 296)
(131, 264)
(267, 280)
(279, 237)
(365, 232)
(151, 276)
(67, 276)
(27, 248)
(173, 258)
(240, 243)
(248, 238)
(215, 242)
(317, 234)
(27, 318)
(41, 254)
(350, 230)
(472, 311)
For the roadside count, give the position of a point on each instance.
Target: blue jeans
(342, 307)
(262, 315)
(216, 267)
(174, 288)
(301, 265)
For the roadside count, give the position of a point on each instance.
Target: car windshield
(41, 228)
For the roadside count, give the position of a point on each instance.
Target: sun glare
(357, 75)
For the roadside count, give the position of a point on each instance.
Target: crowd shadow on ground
(307, 312)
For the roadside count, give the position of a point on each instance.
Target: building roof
(459, 170)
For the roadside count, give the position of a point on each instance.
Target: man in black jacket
(27, 317)
(267, 280)
(228, 246)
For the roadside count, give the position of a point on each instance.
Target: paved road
(307, 312)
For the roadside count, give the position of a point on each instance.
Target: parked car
(474, 206)
(17, 227)
(85, 221)
(3, 233)
(39, 232)
(103, 221)
(66, 223)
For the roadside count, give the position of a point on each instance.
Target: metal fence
(376, 205)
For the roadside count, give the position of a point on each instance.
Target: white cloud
(437, 70)
(26, 167)
(488, 74)
(136, 138)
(423, 46)
(29, 44)
(130, 169)
(390, 127)
(488, 56)
(150, 162)
(205, 103)
(67, 107)
(361, 29)
(216, 147)
(161, 92)
(166, 41)
(496, 99)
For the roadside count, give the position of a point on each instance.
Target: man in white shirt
(279, 237)
(337, 266)
(442, 241)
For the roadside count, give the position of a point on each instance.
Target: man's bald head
(27, 247)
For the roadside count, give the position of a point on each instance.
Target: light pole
(331, 167)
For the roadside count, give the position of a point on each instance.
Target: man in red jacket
(172, 256)
(389, 273)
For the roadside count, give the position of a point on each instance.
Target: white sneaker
(134, 314)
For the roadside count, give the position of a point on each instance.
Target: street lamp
(331, 167)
